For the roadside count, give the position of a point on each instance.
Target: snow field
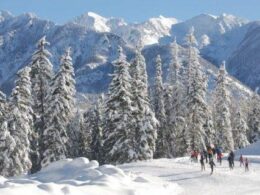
(193, 181)
(81, 176)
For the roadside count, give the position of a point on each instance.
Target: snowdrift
(252, 152)
(80, 177)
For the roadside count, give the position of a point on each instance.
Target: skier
(232, 158)
(205, 153)
(212, 164)
(246, 165)
(194, 156)
(210, 153)
(214, 151)
(241, 160)
(230, 162)
(219, 156)
(202, 161)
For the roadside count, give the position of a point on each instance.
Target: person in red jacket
(241, 160)
(219, 157)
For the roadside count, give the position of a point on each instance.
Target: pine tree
(240, 131)
(174, 66)
(145, 125)
(195, 100)
(7, 143)
(118, 132)
(254, 118)
(59, 113)
(187, 68)
(97, 131)
(41, 75)
(210, 134)
(174, 106)
(78, 144)
(224, 137)
(87, 133)
(21, 122)
(161, 144)
(84, 138)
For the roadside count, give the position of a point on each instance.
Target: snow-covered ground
(161, 176)
(193, 181)
(81, 177)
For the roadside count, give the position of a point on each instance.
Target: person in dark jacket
(230, 162)
(232, 158)
(202, 161)
(212, 164)
(246, 165)
(205, 153)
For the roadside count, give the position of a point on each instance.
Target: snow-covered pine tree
(96, 144)
(21, 122)
(41, 75)
(196, 105)
(174, 107)
(119, 133)
(254, 118)
(159, 109)
(145, 125)
(86, 135)
(210, 134)
(222, 122)
(240, 131)
(174, 66)
(58, 115)
(77, 144)
(7, 143)
(186, 69)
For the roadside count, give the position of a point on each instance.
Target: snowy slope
(153, 177)
(236, 88)
(217, 36)
(81, 177)
(244, 63)
(189, 176)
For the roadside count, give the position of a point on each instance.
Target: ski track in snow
(189, 176)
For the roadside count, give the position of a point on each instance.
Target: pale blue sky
(61, 11)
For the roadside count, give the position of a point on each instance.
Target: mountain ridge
(92, 51)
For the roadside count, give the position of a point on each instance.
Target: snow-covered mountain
(217, 36)
(94, 40)
(93, 21)
(244, 63)
(225, 38)
(91, 50)
(148, 32)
